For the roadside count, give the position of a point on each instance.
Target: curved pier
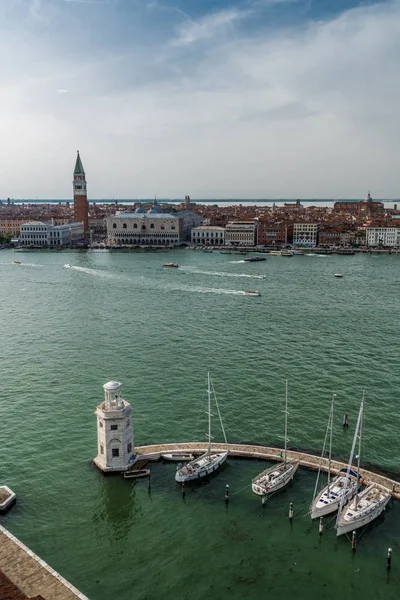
(310, 461)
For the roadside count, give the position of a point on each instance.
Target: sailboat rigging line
(219, 414)
(320, 462)
(349, 466)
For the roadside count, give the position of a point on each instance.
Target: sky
(216, 99)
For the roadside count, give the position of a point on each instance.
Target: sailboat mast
(330, 443)
(209, 414)
(359, 448)
(286, 414)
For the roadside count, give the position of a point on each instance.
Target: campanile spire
(81, 206)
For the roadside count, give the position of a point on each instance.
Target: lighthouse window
(101, 449)
(129, 448)
(101, 423)
(114, 427)
(115, 452)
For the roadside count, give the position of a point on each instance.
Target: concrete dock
(310, 461)
(24, 575)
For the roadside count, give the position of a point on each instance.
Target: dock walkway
(30, 574)
(310, 461)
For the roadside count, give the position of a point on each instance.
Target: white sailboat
(366, 505)
(276, 477)
(208, 462)
(329, 498)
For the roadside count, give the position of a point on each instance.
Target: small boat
(278, 476)
(342, 487)
(280, 253)
(16, 262)
(338, 275)
(252, 293)
(137, 474)
(297, 252)
(366, 505)
(177, 456)
(7, 498)
(255, 259)
(172, 265)
(210, 461)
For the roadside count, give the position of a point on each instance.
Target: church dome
(154, 210)
(140, 210)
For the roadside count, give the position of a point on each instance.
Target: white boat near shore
(210, 461)
(278, 476)
(341, 487)
(177, 456)
(367, 505)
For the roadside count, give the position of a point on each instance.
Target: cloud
(216, 23)
(62, 91)
(311, 110)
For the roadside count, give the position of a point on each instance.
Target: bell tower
(81, 206)
(115, 450)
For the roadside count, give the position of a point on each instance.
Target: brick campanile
(81, 205)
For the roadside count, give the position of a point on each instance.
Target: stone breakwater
(153, 452)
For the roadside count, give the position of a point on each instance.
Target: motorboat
(367, 505)
(177, 456)
(252, 293)
(210, 461)
(280, 253)
(136, 474)
(16, 262)
(172, 265)
(297, 252)
(338, 275)
(255, 259)
(278, 476)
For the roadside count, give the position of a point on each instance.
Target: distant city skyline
(256, 99)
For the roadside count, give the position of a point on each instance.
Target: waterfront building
(145, 228)
(305, 234)
(273, 233)
(360, 208)
(329, 236)
(115, 448)
(38, 233)
(11, 225)
(241, 233)
(383, 236)
(81, 205)
(208, 235)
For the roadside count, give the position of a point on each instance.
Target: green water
(66, 331)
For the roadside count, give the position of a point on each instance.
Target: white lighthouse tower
(114, 431)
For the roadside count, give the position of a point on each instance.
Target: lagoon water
(66, 330)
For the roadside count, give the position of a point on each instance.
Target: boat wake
(94, 272)
(237, 262)
(205, 290)
(195, 271)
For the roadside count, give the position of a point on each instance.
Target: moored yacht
(280, 253)
(366, 505)
(341, 487)
(210, 461)
(278, 476)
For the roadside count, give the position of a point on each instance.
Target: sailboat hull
(325, 504)
(274, 478)
(371, 503)
(201, 467)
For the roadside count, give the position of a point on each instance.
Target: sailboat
(210, 461)
(276, 477)
(329, 498)
(366, 505)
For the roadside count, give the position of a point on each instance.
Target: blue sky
(253, 98)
